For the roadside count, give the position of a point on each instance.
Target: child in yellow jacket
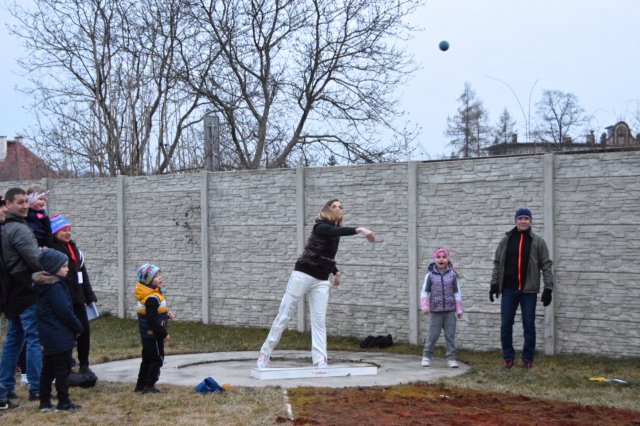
(153, 316)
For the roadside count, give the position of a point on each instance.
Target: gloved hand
(546, 297)
(493, 292)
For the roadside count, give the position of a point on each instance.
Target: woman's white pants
(318, 290)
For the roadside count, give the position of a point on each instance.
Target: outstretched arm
(367, 233)
(324, 228)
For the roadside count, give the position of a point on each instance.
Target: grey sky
(590, 48)
(586, 47)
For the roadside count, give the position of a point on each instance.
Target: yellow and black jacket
(152, 312)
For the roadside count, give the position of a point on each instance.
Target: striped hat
(146, 273)
(58, 223)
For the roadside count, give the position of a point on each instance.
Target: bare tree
(119, 85)
(104, 82)
(504, 128)
(468, 127)
(559, 115)
(304, 81)
(635, 120)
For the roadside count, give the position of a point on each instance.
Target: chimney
(514, 138)
(3, 148)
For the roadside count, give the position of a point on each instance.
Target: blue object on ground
(208, 385)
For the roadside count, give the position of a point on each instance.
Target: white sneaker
(322, 364)
(426, 362)
(263, 360)
(452, 363)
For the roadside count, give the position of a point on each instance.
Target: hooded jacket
(538, 261)
(40, 224)
(152, 311)
(57, 324)
(440, 290)
(20, 254)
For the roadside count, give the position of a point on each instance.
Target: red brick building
(17, 162)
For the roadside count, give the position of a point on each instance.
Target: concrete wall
(250, 227)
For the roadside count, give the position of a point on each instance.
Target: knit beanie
(146, 273)
(523, 211)
(440, 250)
(35, 196)
(58, 223)
(52, 260)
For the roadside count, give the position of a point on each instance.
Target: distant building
(616, 136)
(17, 162)
(619, 135)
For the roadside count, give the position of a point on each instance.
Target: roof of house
(17, 162)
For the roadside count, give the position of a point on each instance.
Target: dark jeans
(152, 360)
(84, 339)
(509, 305)
(55, 366)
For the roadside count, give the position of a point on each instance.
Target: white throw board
(311, 372)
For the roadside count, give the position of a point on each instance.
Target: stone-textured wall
(254, 236)
(597, 253)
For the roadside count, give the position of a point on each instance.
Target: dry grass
(116, 404)
(559, 377)
(562, 378)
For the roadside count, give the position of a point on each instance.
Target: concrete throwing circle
(235, 368)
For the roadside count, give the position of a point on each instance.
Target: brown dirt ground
(424, 404)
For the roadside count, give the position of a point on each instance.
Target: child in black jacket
(57, 327)
(37, 217)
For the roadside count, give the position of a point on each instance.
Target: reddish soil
(424, 404)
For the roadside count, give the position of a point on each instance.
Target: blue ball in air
(444, 45)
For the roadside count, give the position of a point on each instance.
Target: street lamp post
(527, 116)
(212, 142)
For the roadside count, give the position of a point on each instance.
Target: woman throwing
(311, 275)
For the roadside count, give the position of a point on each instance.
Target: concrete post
(204, 244)
(412, 240)
(548, 235)
(122, 278)
(300, 237)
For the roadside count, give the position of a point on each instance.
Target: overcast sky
(590, 48)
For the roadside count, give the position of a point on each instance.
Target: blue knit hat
(58, 223)
(52, 260)
(146, 273)
(523, 211)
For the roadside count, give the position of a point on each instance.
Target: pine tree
(504, 128)
(468, 127)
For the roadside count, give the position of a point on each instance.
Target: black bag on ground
(377, 342)
(83, 380)
(366, 342)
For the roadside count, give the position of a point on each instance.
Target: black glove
(546, 297)
(493, 292)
